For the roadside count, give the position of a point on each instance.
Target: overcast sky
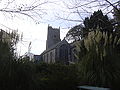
(32, 31)
(50, 12)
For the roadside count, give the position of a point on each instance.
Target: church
(57, 50)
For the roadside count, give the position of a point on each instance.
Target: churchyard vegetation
(99, 60)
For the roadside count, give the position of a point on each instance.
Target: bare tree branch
(77, 10)
(81, 5)
(70, 19)
(31, 10)
(113, 6)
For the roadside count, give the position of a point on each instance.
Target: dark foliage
(25, 75)
(56, 77)
(75, 33)
(97, 20)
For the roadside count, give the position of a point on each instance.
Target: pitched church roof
(56, 45)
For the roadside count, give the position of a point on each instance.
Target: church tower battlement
(53, 37)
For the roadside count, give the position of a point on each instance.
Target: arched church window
(51, 57)
(54, 36)
(63, 53)
(47, 58)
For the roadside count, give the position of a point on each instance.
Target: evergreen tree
(97, 20)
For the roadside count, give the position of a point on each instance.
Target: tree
(7, 56)
(75, 33)
(97, 20)
(8, 42)
(16, 8)
(77, 10)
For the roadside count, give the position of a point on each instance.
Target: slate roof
(56, 45)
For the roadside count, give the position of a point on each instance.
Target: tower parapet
(53, 36)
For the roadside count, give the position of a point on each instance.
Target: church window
(63, 53)
(47, 58)
(50, 57)
(43, 57)
(54, 36)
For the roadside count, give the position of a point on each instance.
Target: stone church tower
(53, 37)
